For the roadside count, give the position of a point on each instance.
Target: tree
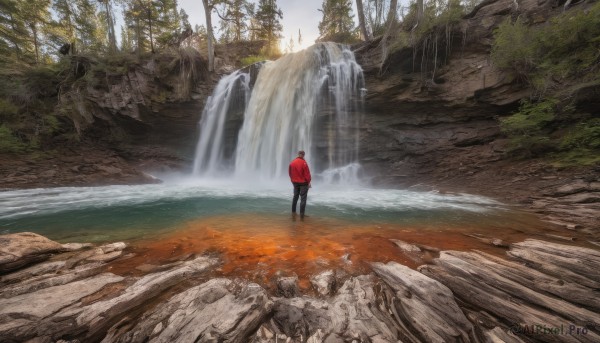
(234, 15)
(289, 48)
(13, 33)
(110, 25)
(337, 23)
(77, 23)
(391, 18)
(361, 20)
(269, 27)
(36, 16)
(208, 7)
(154, 22)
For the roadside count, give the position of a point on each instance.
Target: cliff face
(417, 126)
(444, 132)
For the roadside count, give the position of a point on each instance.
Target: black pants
(300, 190)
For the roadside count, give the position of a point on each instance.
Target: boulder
(324, 282)
(21, 249)
(287, 286)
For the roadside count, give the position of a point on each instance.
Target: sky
(297, 14)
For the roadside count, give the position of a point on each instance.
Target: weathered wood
(575, 264)
(536, 280)
(484, 284)
(425, 305)
(216, 311)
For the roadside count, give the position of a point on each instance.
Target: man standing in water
(300, 177)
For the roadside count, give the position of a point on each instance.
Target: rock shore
(538, 292)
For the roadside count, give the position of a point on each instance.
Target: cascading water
(212, 155)
(310, 100)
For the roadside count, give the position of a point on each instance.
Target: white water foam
(21, 203)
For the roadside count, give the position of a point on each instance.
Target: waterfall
(310, 100)
(212, 156)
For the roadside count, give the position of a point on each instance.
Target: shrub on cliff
(27, 100)
(557, 59)
(545, 56)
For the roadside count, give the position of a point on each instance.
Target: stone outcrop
(539, 292)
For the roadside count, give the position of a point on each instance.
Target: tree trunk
(138, 37)
(150, 28)
(33, 27)
(361, 20)
(209, 35)
(14, 40)
(420, 11)
(391, 18)
(112, 39)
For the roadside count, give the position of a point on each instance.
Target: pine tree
(269, 27)
(153, 22)
(234, 16)
(337, 23)
(78, 24)
(36, 17)
(13, 33)
(108, 16)
(208, 8)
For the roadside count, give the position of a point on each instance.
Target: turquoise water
(99, 214)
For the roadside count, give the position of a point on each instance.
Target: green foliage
(246, 61)
(576, 157)
(528, 128)
(7, 109)
(531, 118)
(583, 135)
(557, 59)
(544, 56)
(514, 48)
(9, 143)
(269, 27)
(235, 16)
(337, 24)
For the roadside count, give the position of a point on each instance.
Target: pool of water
(251, 228)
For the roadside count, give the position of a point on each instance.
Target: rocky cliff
(443, 131)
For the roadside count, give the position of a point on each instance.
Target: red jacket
(299, 172)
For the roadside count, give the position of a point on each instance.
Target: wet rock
(287, 286)
(406, 247)
(216, 311)
(21, 249)
(324, 282)
(111, 247)
(76, 246)
(103, 253)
